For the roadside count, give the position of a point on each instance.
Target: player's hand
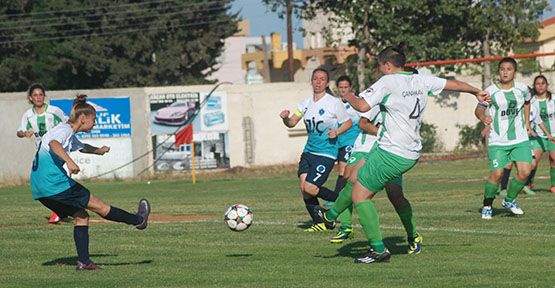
(550, 138)
(531, 132)
(483, 97)
(284, 114)
(486, 119)
(29, 133)
(73, 168)
(332, 133)
(102, 150)
(485, 131)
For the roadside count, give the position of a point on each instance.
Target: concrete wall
(272, 142)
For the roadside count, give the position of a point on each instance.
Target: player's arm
(460, 86)
(89, 149)
(527, 119)
(57, 149)
(22, 132)
(341, 129)
(365, 125)
(357, 102)
(290, 121)
(546, 132)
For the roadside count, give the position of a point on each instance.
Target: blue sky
(263, 21)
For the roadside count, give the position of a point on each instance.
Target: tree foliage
(68, 44)
(433, 29)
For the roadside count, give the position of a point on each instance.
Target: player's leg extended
(344, 200)
(346, 217)
(115, 214)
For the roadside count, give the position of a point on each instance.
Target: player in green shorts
(508, 139)
(402, 98)
(544, 106)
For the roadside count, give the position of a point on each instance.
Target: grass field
(188, 244)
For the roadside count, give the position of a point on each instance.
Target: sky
(263, 21)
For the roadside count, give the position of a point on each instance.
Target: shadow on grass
(304, 225)
(238, 255)
(396, 245)
(71, 261)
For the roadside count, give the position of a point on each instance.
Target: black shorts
(68, 202)
(344, 153)
(317, 167)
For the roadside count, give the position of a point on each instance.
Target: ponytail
(80, 107)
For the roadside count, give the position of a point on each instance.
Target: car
(176, 114)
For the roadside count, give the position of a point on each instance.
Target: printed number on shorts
(495, 163)
(318, 175)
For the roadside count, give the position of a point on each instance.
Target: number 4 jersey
(319, 117)
(402, 97)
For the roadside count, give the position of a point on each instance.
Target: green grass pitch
(188, 245)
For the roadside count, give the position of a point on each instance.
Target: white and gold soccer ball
(238, 217)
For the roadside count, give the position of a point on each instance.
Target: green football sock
(343, 202)
(408, 220)
(552, 172)
(491, 190)
(514, 188)
(346, 218)
(368, 217)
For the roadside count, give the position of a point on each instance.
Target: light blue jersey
(48, 176)
(319, 117)
(348, 138)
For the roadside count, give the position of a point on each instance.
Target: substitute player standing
(325, 118)
(38, 120)
(403, 98)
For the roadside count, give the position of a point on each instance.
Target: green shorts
(501, 156)
(355, 158)
(541, 143)
(381, 168)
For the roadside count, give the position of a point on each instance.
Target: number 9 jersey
(402, 97)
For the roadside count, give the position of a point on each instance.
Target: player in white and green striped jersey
(545, 107)
(508, 139)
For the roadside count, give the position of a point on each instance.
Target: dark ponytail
(394, 55)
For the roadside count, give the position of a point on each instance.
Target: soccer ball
(238, 217)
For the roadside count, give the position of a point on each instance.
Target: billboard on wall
(208, 131)
(113, 117)
(112, 129)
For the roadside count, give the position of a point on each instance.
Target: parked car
(176, 114)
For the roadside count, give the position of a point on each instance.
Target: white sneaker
(512, 207)
(487, 212)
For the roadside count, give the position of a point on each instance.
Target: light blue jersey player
(325, 118)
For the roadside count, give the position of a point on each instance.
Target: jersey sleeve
(76, 144)
(23, 125)
(301, 108)
(341, 113)
(435, 85)
(375, 94)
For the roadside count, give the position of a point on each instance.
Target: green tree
(497, 27)
(104, 44)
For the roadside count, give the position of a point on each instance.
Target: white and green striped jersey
(507, 114)
(545, 109)
(42, 123)
(403, 98)
(365, 141)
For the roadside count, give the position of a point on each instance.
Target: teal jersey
(348, 138)
(319, 117)
(48, 176)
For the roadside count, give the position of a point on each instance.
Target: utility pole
(289, 12)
